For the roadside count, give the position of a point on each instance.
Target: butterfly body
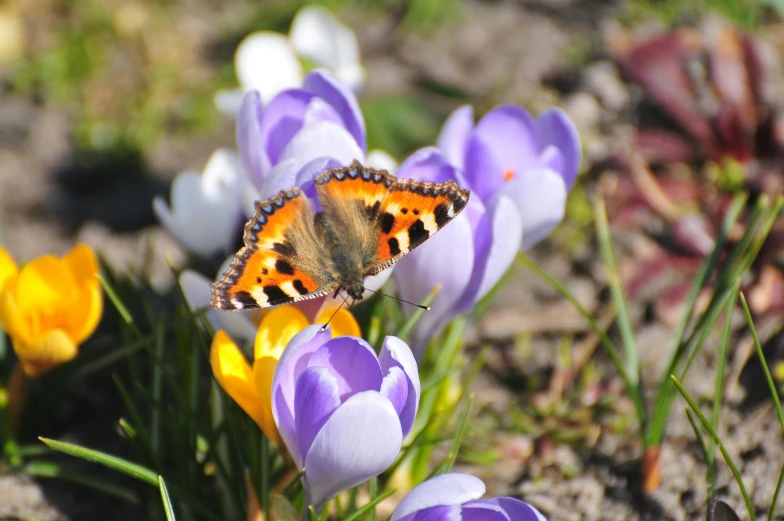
(369, 220)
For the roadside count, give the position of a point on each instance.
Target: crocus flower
(532, 161)
(454, 496)
(206, 211)
(251, 386)
(341, 410)
(270, 62)
(50, 307)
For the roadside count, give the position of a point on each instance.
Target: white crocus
(382, 160)
(206, 210)
(270, 62)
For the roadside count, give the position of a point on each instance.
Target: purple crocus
(341, 410)
(532, 161)
(519, 171)
(299, 133)
(454, 497)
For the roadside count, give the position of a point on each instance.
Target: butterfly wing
(279, 262)
(392, 216)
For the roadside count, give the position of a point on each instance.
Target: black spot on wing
(387, 222)
(458, 204)
(284, 267)
(300, 287)
(394, 246)
(275, 295)
(244, 299)
(417, 234)
(441, 214)
(258, 280)
(284, 248)
(416, 212)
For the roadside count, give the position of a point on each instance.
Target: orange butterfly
(370, 220)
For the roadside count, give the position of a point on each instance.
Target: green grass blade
(772, 511)
(718, 392)
(707, 426)
(370, 506)
(454, 449)
(167, 504)
(632, 363)
(48, 469)
(634, 390)
(118, 304)
(113, 462)
(698, 435)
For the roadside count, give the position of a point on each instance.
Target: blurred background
(103, 102)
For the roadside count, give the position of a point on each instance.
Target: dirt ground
(52, 197)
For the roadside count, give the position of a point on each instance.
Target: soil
(520, 52)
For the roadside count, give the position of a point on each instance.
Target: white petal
(266, 62)
(229, 101)
(360, 440)
(317, 35)
(378, 158)
(540, 196)
(446, 489)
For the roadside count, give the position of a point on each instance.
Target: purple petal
(439, 513)
(307, 174)
(540, 196)
(322, 139)
(483, 170)
(291, 364)
(553, 127)
(483, 511)
(447, 489)
(509, 132)
(352, 362)
(518, 510)
(395, 388)
(482, 232)
(283, 118)
(316, 398)
(250, 143)
(360, 440)
(327, 87)
(507, 236)
(427, 164)
(453, 140)
(281, 177)
(319, 110)
(396, 354)
(435, 263)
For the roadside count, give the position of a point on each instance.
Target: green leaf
(454, 449)
(48, 469)
(365, 509)
(167, 504)
(284, 511)
(113, 462)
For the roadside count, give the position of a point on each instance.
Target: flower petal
(81, 262)
(483, 511)
(327, 87)
(44, 285)
(360, 440)
(381, 160)
(12, 320)
(235, 376)
(483, 170)
(265, 61)
(509, 132)
(8, 268)
(446, 489)
(431, 265)
(315, 399)
(276, 330)
(322, 139)
(342, 322)
(49, 350)
(540, 196)
(250, 139)
(427, 164)
(453, 139)
(353, 363)
(396, 354)
(553, 127)
(518, 510)
(439, 513)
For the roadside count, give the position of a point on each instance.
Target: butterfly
(369, 220)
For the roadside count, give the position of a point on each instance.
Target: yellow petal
(234, 374)
(86, 312)
(7, 268)
(276, 329)
(82, 263)
(44, 286)
(12, 320)
(343, 323)
(50, 350)
(263, 371)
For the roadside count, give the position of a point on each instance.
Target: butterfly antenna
(336, 311)
(420, 306)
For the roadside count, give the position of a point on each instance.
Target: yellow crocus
(50, 307)
(251, 387)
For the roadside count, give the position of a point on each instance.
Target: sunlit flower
(341, 410)
(251, 385)
(50, 307)
(455, 496)
(270, 62)
(206, 211)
